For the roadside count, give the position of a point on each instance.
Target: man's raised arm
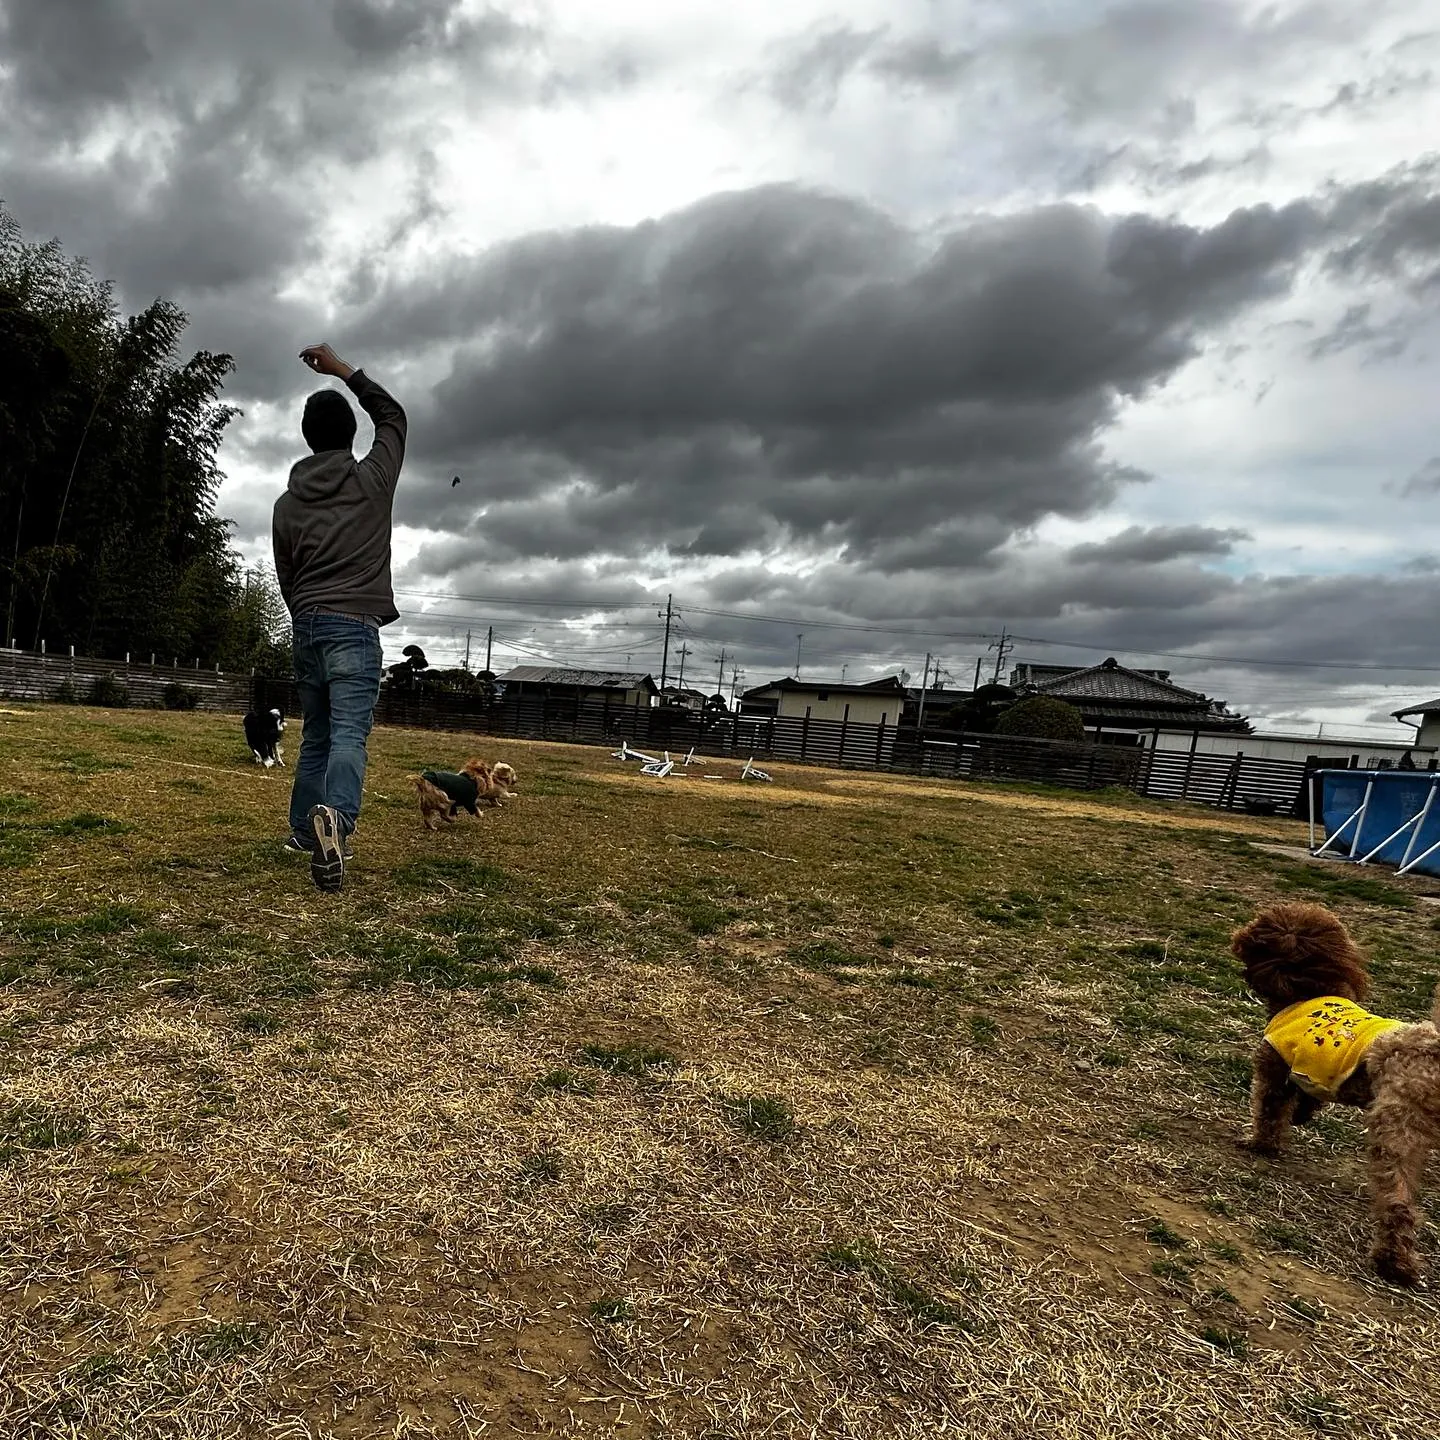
(381, 467)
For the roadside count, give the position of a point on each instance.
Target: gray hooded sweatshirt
(332, 524)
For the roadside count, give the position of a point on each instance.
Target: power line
(592, 605)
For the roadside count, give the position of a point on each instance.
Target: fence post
(844, 725)
(1232, 781)
(770, 737)
(880, 742)
(804, 732)
(1189, 764)
(735, 734)
(575, 719)
(1140, 781)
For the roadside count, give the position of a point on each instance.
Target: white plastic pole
(1358, 816)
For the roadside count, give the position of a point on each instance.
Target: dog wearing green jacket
(444, 793)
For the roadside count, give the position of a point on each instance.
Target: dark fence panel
(1229, 782)
(28, 675)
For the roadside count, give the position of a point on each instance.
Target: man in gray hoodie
(332, 559)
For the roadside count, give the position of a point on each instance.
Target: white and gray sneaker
(327, 859)
(297, 846)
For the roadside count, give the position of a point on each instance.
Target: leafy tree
(1042, 717)
(108, 473)
(977, 713)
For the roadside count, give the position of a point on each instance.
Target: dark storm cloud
(1150, 547)
(780, 367)
(183, 145)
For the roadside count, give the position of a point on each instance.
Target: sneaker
(327, 859)
(296, 845)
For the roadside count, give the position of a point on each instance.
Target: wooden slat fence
(28, 675)
(1225, 781)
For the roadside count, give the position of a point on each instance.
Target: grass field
(847, 1106)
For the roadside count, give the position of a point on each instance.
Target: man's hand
(324, 361)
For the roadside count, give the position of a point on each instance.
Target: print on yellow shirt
(1324, 1041)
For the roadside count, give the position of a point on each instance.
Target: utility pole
(1002, 648)
(979, 660)
(720, 679)
(667, 615)
(682, 652)
(735, 673)
(489, 641)
(924, 686)
(843, 669)
(467, 650)
(800, 637)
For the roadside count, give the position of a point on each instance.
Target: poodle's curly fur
(1292, 953)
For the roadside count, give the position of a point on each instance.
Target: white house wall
(1285, 748)
(863, 710)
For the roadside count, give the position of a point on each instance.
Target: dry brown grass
(472, 1149)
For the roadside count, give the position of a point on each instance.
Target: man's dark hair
(328, 422)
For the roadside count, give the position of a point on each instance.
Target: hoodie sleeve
(380, 469)
(284, 560)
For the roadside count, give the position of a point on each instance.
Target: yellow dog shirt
(1324, 1041)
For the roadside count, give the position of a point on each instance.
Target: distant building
(938, 701)
(881, 702)
(1427, 732)
(684, 699)
(1121, 706)
(622, 687)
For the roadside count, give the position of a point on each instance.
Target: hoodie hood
(321, 477)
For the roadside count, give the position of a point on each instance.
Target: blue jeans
(337, 671)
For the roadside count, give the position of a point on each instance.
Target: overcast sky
(1113, 324)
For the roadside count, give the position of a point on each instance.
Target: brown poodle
(1320, 1046)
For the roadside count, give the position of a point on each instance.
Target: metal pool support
(1415, 824)
(1357, 818)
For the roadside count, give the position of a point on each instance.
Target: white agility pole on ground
(752, 772)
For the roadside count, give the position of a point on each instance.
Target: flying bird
(454, 482)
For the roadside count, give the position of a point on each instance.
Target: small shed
(621, 687)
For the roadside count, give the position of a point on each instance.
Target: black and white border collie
(263, 729)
